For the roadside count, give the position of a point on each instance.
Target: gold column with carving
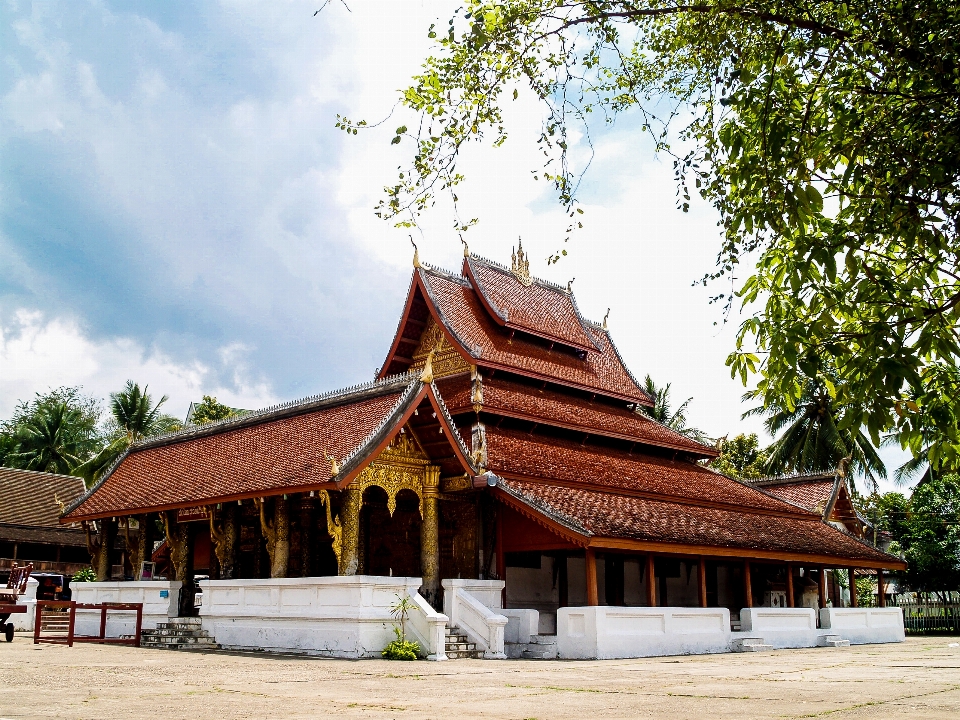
(350, 510)
(430, 536)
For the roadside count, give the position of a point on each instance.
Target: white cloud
(37, 353)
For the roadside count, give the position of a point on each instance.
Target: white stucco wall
(624, 632)
(781, 627)
(159, 598)
(23, 622)
(346, 617)
(864, 625)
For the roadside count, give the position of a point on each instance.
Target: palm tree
(47, 442)
(665, 415)
(134, 418)
(812, 439)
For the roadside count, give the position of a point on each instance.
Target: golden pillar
(350, 510)
(430, 536)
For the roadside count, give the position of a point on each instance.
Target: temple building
(502, 442)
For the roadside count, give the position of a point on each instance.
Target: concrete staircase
(832, 641)
(540, 647)
(180, 634)
(752, 644)
(457, 645)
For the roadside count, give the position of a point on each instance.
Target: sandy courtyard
(918, 679)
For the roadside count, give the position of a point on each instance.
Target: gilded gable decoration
(445, 360)
(403, 465)
(521, 266)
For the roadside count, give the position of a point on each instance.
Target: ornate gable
(446, 360)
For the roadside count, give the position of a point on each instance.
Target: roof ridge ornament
(521, 265)
(426, 377)
(416, 254)
(334, 465)
(466, 250)
(570, 285)
(605, 317)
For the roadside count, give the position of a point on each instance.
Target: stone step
(540, 653)
(750, 645)
(171, 632)
(460, 647)
(832, 641)
(543, 640)
(460, 654)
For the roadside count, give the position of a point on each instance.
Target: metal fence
(929, 616)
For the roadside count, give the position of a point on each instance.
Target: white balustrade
(470, 605)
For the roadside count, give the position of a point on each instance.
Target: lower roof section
(292, 448)
(604, 519)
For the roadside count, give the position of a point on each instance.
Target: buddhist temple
(501, 454)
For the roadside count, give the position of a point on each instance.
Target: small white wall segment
(781, 627)
(344, 617)
(521, 625)
(24, 621)
(606, 633)
(159, 600)
(470, 605)
(864, 625)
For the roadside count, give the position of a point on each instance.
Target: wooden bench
(9, 595)
(56, 622)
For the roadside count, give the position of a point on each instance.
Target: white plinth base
(863, 626)
(159, 598)
(343, 617)
(586, 633)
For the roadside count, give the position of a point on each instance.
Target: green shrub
(400, 649)
(84, 575)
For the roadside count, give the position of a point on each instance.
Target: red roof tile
(243, 457)
(813, 496)
(519, 454)
(30, 498)
(514, 399)
(540, 308)
(605, 514)
(489, 345)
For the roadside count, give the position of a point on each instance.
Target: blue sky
(177, 207)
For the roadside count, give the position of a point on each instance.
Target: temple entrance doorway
(390, 545)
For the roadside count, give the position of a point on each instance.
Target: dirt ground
(918, 679)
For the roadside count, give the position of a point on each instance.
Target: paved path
(917, 679)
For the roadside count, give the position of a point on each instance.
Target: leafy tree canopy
(134, 416)
(210, 411)
(824, 133)
(813, 435)
(663, 412)
(931, 542)
(54, 432)
(741, 457)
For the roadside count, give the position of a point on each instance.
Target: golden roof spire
(416, 253)
(521, 265)
(334, 465)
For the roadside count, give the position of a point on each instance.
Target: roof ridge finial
(426, 377)
(605, 317)
(466, 250)
(570, 285)
(416, 254)
(521, 265)
(334, 465)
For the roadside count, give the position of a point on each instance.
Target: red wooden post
(853, 588)
(139, 622)
(593, 595)
(651, 582)
(702, 577)
(73, 621)
(747, 586)
(881, 596)
(37, 622)
(823, 588)
(501, 559)
(103, 621)
(790, 599)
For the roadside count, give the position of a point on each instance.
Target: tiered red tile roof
(594, 417)
(511, 453)
(540, 308)
(811, 492)
(489, 345)
(610, 515)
